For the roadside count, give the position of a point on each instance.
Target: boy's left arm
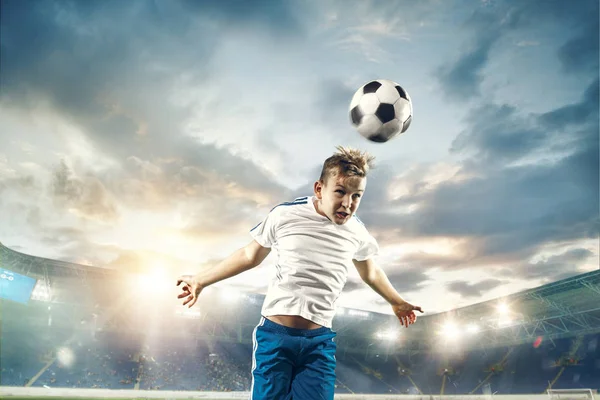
(376, 278)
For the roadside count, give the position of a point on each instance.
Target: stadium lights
(188, 313)
(230, 296)
(358, 313)
(502, 308)
(450, 331)
(65, 356)
(153, 282)
(387, 335)
(40, 292)
(472, 329)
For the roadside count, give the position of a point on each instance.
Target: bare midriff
(293, 321)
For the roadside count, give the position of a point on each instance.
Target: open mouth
(342, 214)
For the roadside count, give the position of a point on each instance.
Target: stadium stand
(80, 329)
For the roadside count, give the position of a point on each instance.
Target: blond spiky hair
(348, 162)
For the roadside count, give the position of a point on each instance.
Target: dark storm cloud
(509, 212)
(62, 236)
(81, 47)
(83, 57)
(87, 195)
(70, 52)
(280, 18)
(404, 276)
(63, 184)
(18, 197)
(462, 78)
(72, 245)
(577, 52)
(21, 183)
(406, 279)
(13, 189)
(333, 99)
(352, 285)
(231, 168)
(403, 279)
(574, 114)
(553, 268)
(499, 135)
(229, 216)
(423, 261)
(576, 39)
(466, 289)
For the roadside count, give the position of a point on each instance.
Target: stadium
(74, 331)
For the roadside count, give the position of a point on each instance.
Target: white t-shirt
(314, 257)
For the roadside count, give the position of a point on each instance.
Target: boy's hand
(190, 290)
(406, 313)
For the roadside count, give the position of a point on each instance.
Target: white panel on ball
(387, 93)
(356, 99)
(369, 103)
(369, 125)
(390, 128)
(403, 109)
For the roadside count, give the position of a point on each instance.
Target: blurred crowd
(117, 362)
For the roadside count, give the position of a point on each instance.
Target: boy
(316, 237)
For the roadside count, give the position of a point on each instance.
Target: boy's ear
(318, 187)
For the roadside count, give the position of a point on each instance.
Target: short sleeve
(264, 232)
(368, 248)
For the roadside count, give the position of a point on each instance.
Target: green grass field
(76, 398)
(92, 394)
(69, 398)
(36, 393)
(8, 397)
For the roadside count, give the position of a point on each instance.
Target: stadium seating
(118, 361)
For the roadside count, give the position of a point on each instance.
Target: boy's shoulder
(360, 223)
(358, 226)
(290, 207)
(297, 201)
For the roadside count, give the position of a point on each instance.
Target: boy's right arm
(241, 260)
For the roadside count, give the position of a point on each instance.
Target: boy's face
(340, 196)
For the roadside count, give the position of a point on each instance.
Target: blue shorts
(290, 363)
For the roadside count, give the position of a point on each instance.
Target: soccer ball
(381, 110)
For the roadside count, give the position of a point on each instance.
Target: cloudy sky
(147, 135)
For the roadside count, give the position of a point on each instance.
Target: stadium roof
(56, 278)
(566, 308)
(44, 267)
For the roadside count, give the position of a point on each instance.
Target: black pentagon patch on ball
(356, 115)
(402, 93)
(371, 87)
(406, 123)
(378, 138)
(385, 112)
